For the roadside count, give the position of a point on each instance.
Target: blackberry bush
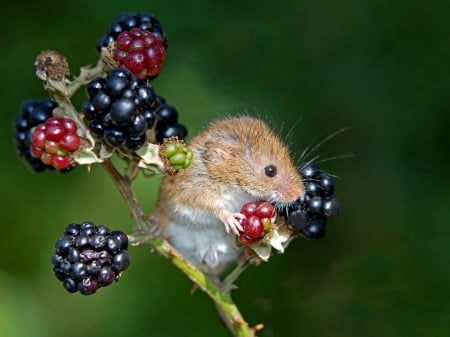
(123, 116)
(88, 257)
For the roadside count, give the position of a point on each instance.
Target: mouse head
(246, 153)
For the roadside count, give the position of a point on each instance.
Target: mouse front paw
(232, 221)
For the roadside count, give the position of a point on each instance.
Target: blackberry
(32, 113)
(120, 109)
(308, 216)
(88, 257)
(127, 21)
(167, 122)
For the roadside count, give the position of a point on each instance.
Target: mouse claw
(232, 221)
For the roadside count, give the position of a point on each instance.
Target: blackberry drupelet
(167, 122)
(309, 215)
(88, 257)
(127, 21)
(120, 109)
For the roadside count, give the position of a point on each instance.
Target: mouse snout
(291, 190)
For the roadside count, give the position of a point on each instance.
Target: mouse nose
(292, 191)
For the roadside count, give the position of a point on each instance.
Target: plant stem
(123, 184)
(85, 76)
(145, 234)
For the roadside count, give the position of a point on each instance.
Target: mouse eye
(270, 170)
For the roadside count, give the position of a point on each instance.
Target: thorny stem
(123, 184)
(86, 75)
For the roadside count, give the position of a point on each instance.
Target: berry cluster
(309, 215)
(177, 153)
(127, 21)
(167, 122)
(54, 141)
(259, 217)
(116, 111)
(120, 109)
(140, 52)
(88, 257)
(32, 113)
(140, 45)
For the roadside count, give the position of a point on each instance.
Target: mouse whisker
(310, 149)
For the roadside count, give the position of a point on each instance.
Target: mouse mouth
(276, 198)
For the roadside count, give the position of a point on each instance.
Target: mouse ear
(214, 151)
(218, 150)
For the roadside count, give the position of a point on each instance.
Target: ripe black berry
(127, 21)
(88, 257)
(120, 109)
(310, 213)
(167, 122)
(330, 207)
(315, 229)
(32, 113)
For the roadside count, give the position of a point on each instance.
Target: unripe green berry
(178, 155)
(178, 158)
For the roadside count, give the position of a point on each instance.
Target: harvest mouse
(236, 160)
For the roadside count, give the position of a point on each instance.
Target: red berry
(40, 127)
(134, 62)
(38, 139)
(258, 221)
(60, 162)
(70, 142)
(70, 125)
(54, 140)
(249, 208)
(141, 52)
(253, 226)
(53, 121)
(265, 210)
(55, 132)
(136, 45)
(36, 151)
(124, 42)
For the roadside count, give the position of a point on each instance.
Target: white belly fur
(211, 248)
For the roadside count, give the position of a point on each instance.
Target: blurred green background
(381, 68)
